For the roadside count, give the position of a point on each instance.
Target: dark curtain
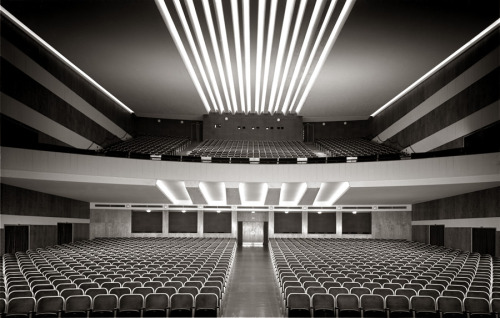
(240, 233)
(16, 238)
(64, 233)
(266, 234)
(436, 235)
(483, 240)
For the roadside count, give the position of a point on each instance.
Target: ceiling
(383, 47)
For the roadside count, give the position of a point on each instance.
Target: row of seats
(352, 147)
(350, 305)
(383, 268)
(153, 145)
(252, 149)
(120, 266)
(127, 305)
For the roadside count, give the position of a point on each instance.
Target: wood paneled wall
(38, 97)
(164, 127)
(19, 201)
(479, 204)
(478, 95)
(341, 129)
(420, 233)
(42, 236)
(458, 238)
(81, 231)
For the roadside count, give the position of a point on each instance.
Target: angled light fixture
(182, 50)
(330, 192)
(62, 58)
(269, 48)
(260, 44)
(237, 45)
(175, 191)
(246, 37)
(462, 49)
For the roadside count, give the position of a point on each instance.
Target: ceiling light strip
(461, 50)
(239, 59)
(321, 33)
(61, 57)
(225, 50)
(178, 42)
(246, 37)
(305, 45)
(260, 43)
(269, 48)
(215, 45)
(293, 42)
(192, 44)
(328, 47)
(203, 46)
(287, 20)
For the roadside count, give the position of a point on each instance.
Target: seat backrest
(315, 290)
(429, 292)
(347, 302)
(189, 289)
(156, 301)
(105, 302)
(78, 303)
(211, 290)
(50, 304)
(206, 301)
(397, 303)
(181, 301)
(372, 302)
(130, 302)
(169, 290)
(392, 286)
(20, 294)
(298, 301)
(119, 291)
(422, 303)
(495, 305)
(476, 305)
(323, 301)
(453, 293)
(449, 304)
(21, 305)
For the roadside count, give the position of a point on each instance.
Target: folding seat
(373, 306)
(13, 288)
(350, 285)
(392, 286)
(382, 291)
(79, 281)
(347, 305)
(104, 305)
(416, 287)
(461, 288)
(130, 305)
(206, 305)
(328, 284)
(298, 305)
(450, 306)
(315, 290)
(338, 290)
(176, 285)
(181, 305)
(437, 287)
(477, 307)
(429, 292)
(405, 292)
(358, 291)
(323, 305)
(156, 305)
(398, 306)
(108, 286)
(77, 306)
(196, 284)
(49, 306)
(479, 288)
(87, 285)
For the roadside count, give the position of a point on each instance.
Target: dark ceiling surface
(384, 46)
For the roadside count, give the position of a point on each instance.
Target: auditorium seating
(152, 145)
(252, 149)
(352, 147)
(418, 278)
(135, 273)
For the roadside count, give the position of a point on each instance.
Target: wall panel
(458, 238)
(81, 231)
(392, 225)
(43, 236)
(420, 233)
(19, 201)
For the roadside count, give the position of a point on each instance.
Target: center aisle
(252, 290)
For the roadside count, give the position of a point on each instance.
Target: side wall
(39, 91)
(459, 214)
(457, 100)
(117, 223)
(42, 212)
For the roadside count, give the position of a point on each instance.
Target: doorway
(436, 235)
(251, 233)
(16, 238)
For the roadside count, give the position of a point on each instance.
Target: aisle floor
(252, 290)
